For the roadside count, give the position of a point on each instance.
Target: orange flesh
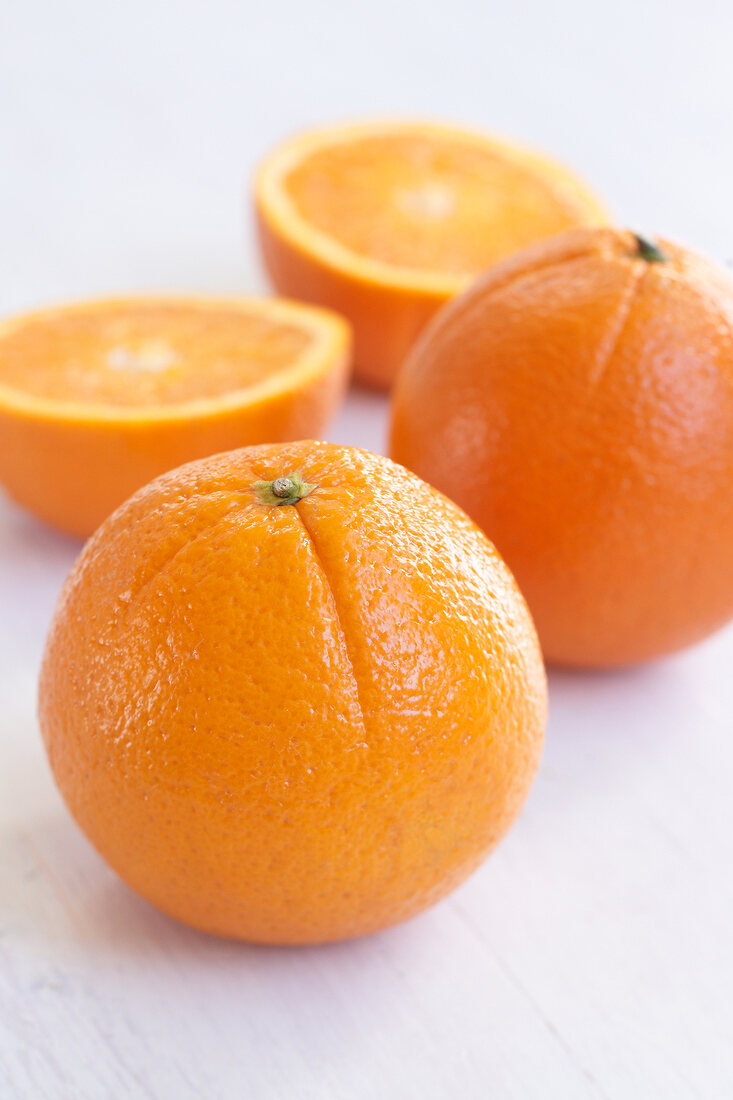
(431, 202)
(146, 354)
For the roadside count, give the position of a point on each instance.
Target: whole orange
(578, 402)
(292, 694)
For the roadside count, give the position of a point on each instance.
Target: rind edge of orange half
(330, 349)
(282, 217)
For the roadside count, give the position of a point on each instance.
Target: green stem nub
(283, 490)
(649, 251)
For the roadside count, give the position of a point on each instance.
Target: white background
(591, 956)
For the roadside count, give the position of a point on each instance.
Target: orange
(292, 718)
(578, 402)
(385, 221)
(96, 399)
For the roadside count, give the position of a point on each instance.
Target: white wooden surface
(592, 956)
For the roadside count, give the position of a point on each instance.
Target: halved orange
(385, 221)
(96, 399)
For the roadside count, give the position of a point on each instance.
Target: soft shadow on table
(59, 900)
(23, 534)
(633, 702)
(610, 732)
(86, 957)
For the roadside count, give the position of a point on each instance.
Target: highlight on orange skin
(292, 694)
(578, 402)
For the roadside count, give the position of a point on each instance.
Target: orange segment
(387, 221)
(97, 399)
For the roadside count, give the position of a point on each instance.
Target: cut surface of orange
(98, 398)
(386, 221)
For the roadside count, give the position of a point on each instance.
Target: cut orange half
(96, 399)
(386, 221)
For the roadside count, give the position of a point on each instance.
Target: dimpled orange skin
(292, 724)
(578, 403)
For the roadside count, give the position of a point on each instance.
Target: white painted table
(592, 956)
